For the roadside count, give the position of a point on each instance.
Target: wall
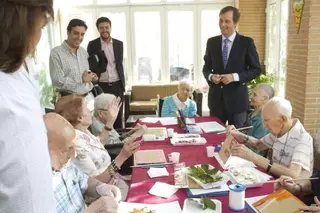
(253, 22)
(303, 61)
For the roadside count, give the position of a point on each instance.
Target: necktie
(225, 52)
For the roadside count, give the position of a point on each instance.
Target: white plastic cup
(210, 151)
(174, 157)
(170, 132)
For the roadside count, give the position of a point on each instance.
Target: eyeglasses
(104, 110)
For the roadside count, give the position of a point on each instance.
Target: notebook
(143, 157)
(211, 127)
(279, 201)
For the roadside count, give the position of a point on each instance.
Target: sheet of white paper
(149, 120)
(163, 190)
(251, 200)
(172, 207)
(168, 121)
(190, 121)
(222, 188)
(157, 172)
(213, 126)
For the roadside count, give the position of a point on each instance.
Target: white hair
(102, 101)
(186, 82)
(280, 106)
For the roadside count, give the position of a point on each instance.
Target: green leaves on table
(204, 174)
(205, 203)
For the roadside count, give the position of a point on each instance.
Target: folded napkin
(163, 190)
(157, 172)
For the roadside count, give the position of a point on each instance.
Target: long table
(141, 183)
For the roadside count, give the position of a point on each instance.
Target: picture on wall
(298, 9)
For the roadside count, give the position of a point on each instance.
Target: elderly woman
(99, 120)
(180, 101)
(91, 157)
(258, 98)
(292, 146)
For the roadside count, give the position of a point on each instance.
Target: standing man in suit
(105, 59)
(231, 60)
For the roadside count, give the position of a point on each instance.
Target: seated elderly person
(180, 101)
(302, 188)
(91, 156)
(292, 146)
(70, 185)
(258, 98)
(99, 120)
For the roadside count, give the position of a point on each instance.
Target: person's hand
(226, 78)
(94, 77)
(130, 148)
(239, 136)
(87, 77)
(105, 204)
(139, 131)
(286, 183)
(113, 111)
(314, 209)
(215, 78)
(229, 129)
(108, 190)
(242, 151)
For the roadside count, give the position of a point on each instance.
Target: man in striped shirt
(291, 144)
(69, 67)
(70, 185)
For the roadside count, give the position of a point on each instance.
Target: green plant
(263, 78)
(48, 94)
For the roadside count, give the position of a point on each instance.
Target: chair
(142, 99)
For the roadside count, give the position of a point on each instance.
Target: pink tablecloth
(141, 183)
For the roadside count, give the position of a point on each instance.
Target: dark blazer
(98, 61)
(244, 60)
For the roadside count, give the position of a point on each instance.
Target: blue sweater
(169, 108)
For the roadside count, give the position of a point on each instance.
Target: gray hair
(102, 101)
(187, 82)
(280, 106)
(267, 88)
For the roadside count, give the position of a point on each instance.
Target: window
(180, 40)
(147, 47)
(276, 48)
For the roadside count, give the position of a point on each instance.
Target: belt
(65, 93)
(110, 84)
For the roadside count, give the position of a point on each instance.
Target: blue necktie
(225, 52)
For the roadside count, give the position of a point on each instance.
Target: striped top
(294, 147)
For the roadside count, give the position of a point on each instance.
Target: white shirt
(230, 43)
(294, 147)
(25, 169)
(180, 105)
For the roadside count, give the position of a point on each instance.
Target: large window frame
(276, 55)
(196, 6)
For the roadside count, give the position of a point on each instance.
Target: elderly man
(292, 146)
(99, 120)
(70, 184)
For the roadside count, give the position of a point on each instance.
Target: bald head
(59, 130)
(61, 139)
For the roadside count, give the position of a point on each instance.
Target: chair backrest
(147, 92)
(160, 104)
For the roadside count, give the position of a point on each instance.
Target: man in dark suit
(231, 60)
(105, 59)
